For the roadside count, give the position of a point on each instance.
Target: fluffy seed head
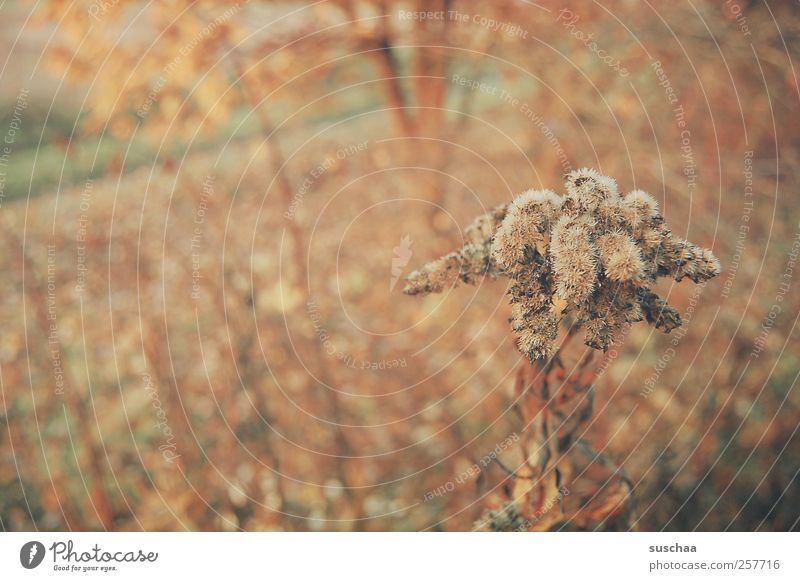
(621, 258)
(481, 229)
(649, 240)
(591, 256)
(531, 201)
(611, 214)
(640, 208)
(525, 227)
(574, 259)
(589, 189)
(711, 265)
(536, 330)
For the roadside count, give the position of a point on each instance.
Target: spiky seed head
(434, 277)
(574, 259)
(597, 334)
(611, 214)
(586, 256)
(589, 188)
(634, 314)
(466, 265)
(640, 208)
(536, 331)
(526, 221)
(681, 254)
(620, 257)
(649, 240)
(481, 229)
(508, 248)
(711, 265)
(533, 202)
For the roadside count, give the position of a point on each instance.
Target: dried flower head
(591, 254)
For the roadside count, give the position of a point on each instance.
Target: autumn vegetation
(210, 211)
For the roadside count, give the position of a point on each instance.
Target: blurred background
(208, 209)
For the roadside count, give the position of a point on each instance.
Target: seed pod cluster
(592, 254)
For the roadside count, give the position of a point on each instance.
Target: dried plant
(270, 426)
(559, 482)
(587, 258)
